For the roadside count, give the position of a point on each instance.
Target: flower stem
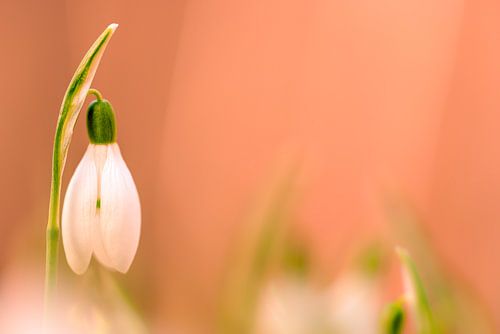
(96, 93)
(52, 240)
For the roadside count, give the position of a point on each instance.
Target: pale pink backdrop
(210, 95)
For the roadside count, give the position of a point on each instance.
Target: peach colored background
(210, 93)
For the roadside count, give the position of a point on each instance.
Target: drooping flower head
(101, 213)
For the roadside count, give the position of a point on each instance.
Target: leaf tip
(112, 27)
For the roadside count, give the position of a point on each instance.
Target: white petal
(98, 245)
(120, 216)
(101, 153)
(78, 213)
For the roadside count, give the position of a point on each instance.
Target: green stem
(70, 109)
(52, 239)
(96, 93)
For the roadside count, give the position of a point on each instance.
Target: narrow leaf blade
(77, 91)
(416, 295)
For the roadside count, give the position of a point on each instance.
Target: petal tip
(123, 270)
(79, 270)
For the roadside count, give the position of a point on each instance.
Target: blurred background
(371, 109)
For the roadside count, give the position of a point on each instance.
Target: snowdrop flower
(354, 305)
(291, 306)
(101, 213)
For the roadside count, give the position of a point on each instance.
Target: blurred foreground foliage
(270, 288)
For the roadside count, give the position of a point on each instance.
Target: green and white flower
(102, 212)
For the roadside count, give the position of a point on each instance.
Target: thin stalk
(52, 239)
(96, 93)
(70, 109)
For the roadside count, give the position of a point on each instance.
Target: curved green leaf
(76, 93)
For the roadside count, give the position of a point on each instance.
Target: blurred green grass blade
(255, 255)
(416, 296)
(393, 318)
(452, 298)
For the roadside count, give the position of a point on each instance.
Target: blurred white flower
(350, 306)
(291, 306)
(102, 212)
(354, 305)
